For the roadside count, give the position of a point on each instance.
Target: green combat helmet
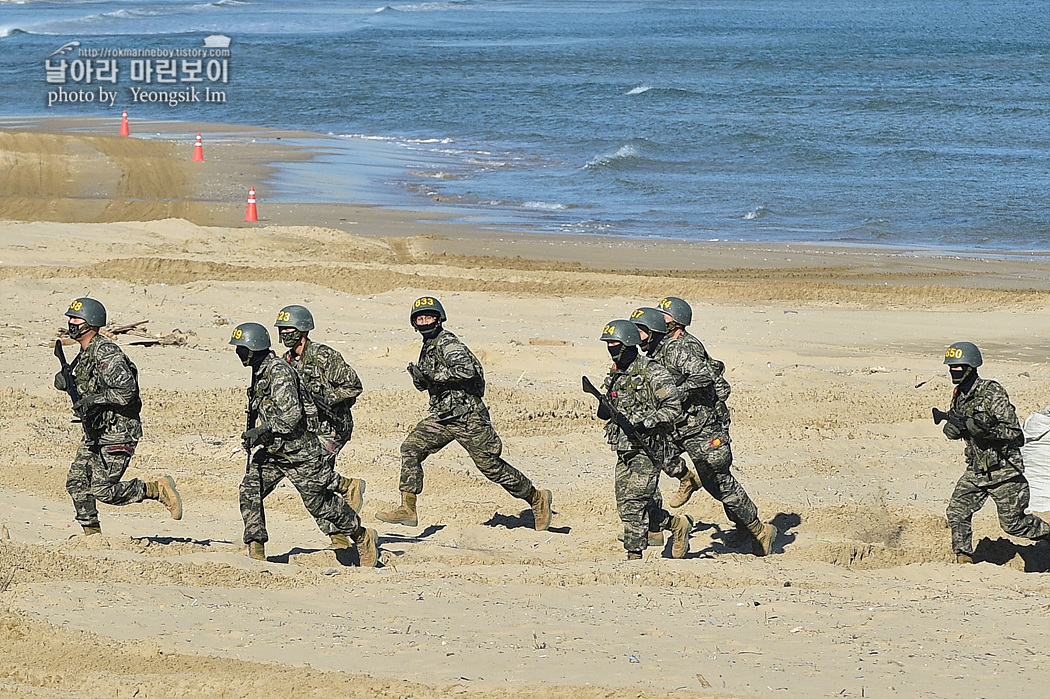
(295, 316)
(250, 338)
(623, 331)
(651, 319)
(292, 321)
(678, 309)
(963, 353)
(427, 304)
(91, 311)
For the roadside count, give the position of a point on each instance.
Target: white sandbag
(1036, 454)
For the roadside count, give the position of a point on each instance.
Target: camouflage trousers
(637, 499)
(331, 444)
(712, 456)
(475, 433)
(1011, 500)
(308, 473)
(95, 475)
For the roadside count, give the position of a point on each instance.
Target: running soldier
(453, 377)
(333, 387)
(704, 431)
(109, 406)
(279, 423)
(644, 393)
(984, 418)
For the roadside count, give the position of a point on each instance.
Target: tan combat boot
(164, 491)
(764, 535)
(681, 526)
(541, 508)
(404, 514)
(689, 485)
(91, 531)
(257, 551)
(339, 541)
(367, 541)
(655, 538)
(963, 558)
(634, 555)
(353, 491)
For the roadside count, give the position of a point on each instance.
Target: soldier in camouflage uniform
(332, 387)
(644, 393)
(983, 417)
(704, 432)
(290, 448)
(453, 377)
(109, 404)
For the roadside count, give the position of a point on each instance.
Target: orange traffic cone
(198, 150)
(251, 214)
(124, 130)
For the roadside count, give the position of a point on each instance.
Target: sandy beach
(834, 355)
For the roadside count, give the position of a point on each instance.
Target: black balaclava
(650, 344)
(252, 358)
(964, 377)
(428, 332)
(623, 355)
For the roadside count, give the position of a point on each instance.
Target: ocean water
(889, 123)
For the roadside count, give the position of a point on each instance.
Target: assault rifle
(71, 386)
(621, 421)
(959, 420)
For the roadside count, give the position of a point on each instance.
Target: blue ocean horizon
(767, 121)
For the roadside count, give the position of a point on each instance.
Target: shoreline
(269, 159)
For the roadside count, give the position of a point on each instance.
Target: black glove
(60, 381)
(419, 378)
(951, 431)
(89, 404)
(975, 430)
(256, 436)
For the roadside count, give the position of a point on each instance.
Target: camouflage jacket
(331, 384)
(996, 457)
(455, 379)
(646, 395)
(102, 368)
(700, 382)
(275, 397)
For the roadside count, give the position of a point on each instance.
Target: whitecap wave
(756, 213)
(219, 4)
(639, 90)
(624, 152)
(544, 206)
(429, 6)
(11, 31)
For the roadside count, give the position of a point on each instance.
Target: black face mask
(622, 355)
(961, 374)
(77, 330)
(428, 332)
(250, 357)
(650, 343)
